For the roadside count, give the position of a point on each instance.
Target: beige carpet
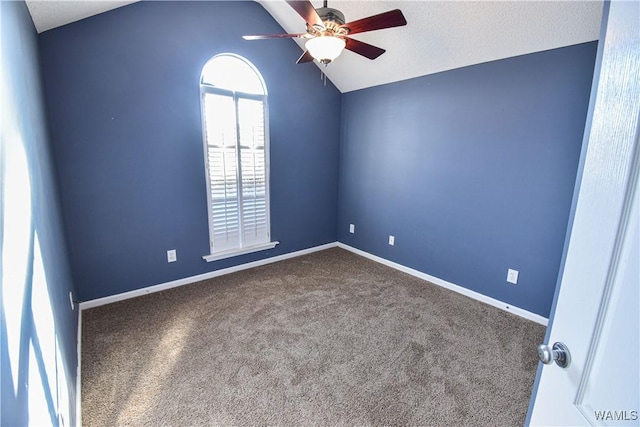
(325, 339)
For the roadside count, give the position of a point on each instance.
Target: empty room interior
(308, 213)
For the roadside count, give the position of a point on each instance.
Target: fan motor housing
(331, 18)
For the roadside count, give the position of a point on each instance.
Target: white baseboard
(456, 288)
(187, 280)
(78, 372)
(435, 280)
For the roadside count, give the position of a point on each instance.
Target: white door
(596, 311)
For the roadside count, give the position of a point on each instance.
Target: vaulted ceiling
(439, 35)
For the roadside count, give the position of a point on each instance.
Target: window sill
(241, 251)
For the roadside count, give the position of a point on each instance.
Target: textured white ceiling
(48, 14)
(439, 35)
(443, 35)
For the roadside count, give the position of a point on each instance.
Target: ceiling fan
(328, 35)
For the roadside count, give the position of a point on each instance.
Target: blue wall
(37, 325)
(472, 170)
(124, 108)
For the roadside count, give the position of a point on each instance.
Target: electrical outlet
(73, 307)
(352, 228)
(172, 256)
(512, 276)
(392, 240)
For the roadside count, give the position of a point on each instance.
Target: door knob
(558, 353)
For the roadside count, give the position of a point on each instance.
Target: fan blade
(273, 36)
(393, 18)
(306, 57)
(364, 49)
(307, 11)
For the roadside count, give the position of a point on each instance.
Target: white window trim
(215, 256)
(242, 251)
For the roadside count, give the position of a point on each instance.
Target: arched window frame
(244, 245)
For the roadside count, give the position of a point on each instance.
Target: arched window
(236, 148)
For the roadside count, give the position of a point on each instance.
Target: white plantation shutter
(253, 171)
(220, 125)
(236, 152)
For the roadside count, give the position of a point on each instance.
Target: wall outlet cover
(352, 228)
(172, 256)
(512, 276)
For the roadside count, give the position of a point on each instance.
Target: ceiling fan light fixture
(325, 48)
